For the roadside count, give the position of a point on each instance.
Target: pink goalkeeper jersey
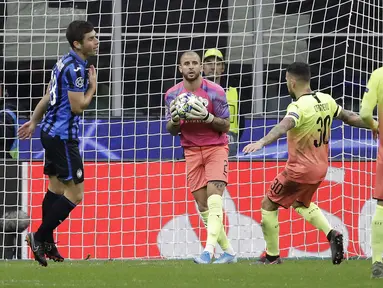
(195, 132)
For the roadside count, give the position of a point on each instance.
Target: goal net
(137, 203)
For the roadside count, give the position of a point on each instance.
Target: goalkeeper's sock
(314, 216)
(270, 228)
(205, 217)
(49, 199)
(58, 213)
(214, 223)
(377, 234)
(222, 240)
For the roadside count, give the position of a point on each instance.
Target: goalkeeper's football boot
(377, 270)
(204, 258)
(226, 258)
(265, 259)
(37, 249)
(52, 252)
(336, 242)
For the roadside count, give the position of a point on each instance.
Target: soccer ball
(183, 103)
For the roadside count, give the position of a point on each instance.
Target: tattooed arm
(280, 129)
(354, 119)
(220, 124)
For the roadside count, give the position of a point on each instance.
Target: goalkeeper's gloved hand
(174, 114)
(199, 112)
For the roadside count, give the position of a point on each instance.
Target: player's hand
(253, 147)
(375, 130)
(199, 112)
(174, 113)
(26, 130)
(92, 76)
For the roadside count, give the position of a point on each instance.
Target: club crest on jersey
(204, 101)
(79, 82)
(79, 173)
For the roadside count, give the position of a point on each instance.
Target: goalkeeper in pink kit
(203, 137)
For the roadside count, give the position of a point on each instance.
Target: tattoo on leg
(218, 184)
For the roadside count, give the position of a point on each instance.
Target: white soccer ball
(184, 102)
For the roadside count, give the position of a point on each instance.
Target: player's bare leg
(215, 191)
(377, 241)
(200, 197)
(314, 216)
(270, 229)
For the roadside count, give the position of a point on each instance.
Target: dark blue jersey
(68, 74)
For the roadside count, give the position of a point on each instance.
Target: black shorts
(62, 159)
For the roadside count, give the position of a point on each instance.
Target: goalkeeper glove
(199, 112)
(174, 114)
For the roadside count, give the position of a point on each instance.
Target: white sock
(230, 250)
(209, 248)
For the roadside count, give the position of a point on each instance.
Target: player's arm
(278, 131)
(221, 119)
(173, 128)
(27, 129)
(291, 120)
(275, 133)
(352, 119)
(79, 100)
(220, 124)
(370, 100)
(41, 107)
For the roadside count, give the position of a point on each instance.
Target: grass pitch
(182, 274)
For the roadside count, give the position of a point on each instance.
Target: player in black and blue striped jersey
(69, 93)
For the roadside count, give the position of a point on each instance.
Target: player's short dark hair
(300, 70)
(190, 52)
(77, 30)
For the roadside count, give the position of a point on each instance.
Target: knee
(215, 187)
(56, 186)
(268, 205)
(75, 197)
(78, 197)
(202, 206)
(74, 193)
(297, 204)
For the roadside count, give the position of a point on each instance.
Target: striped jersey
(68, 74)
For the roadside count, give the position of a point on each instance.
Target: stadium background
(137, 204)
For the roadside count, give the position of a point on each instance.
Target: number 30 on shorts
(276, 187)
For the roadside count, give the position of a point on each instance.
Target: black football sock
(49, 199)
(59, 212)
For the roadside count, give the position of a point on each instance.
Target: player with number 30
(308, 126)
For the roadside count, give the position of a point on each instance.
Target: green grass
(180, 274)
